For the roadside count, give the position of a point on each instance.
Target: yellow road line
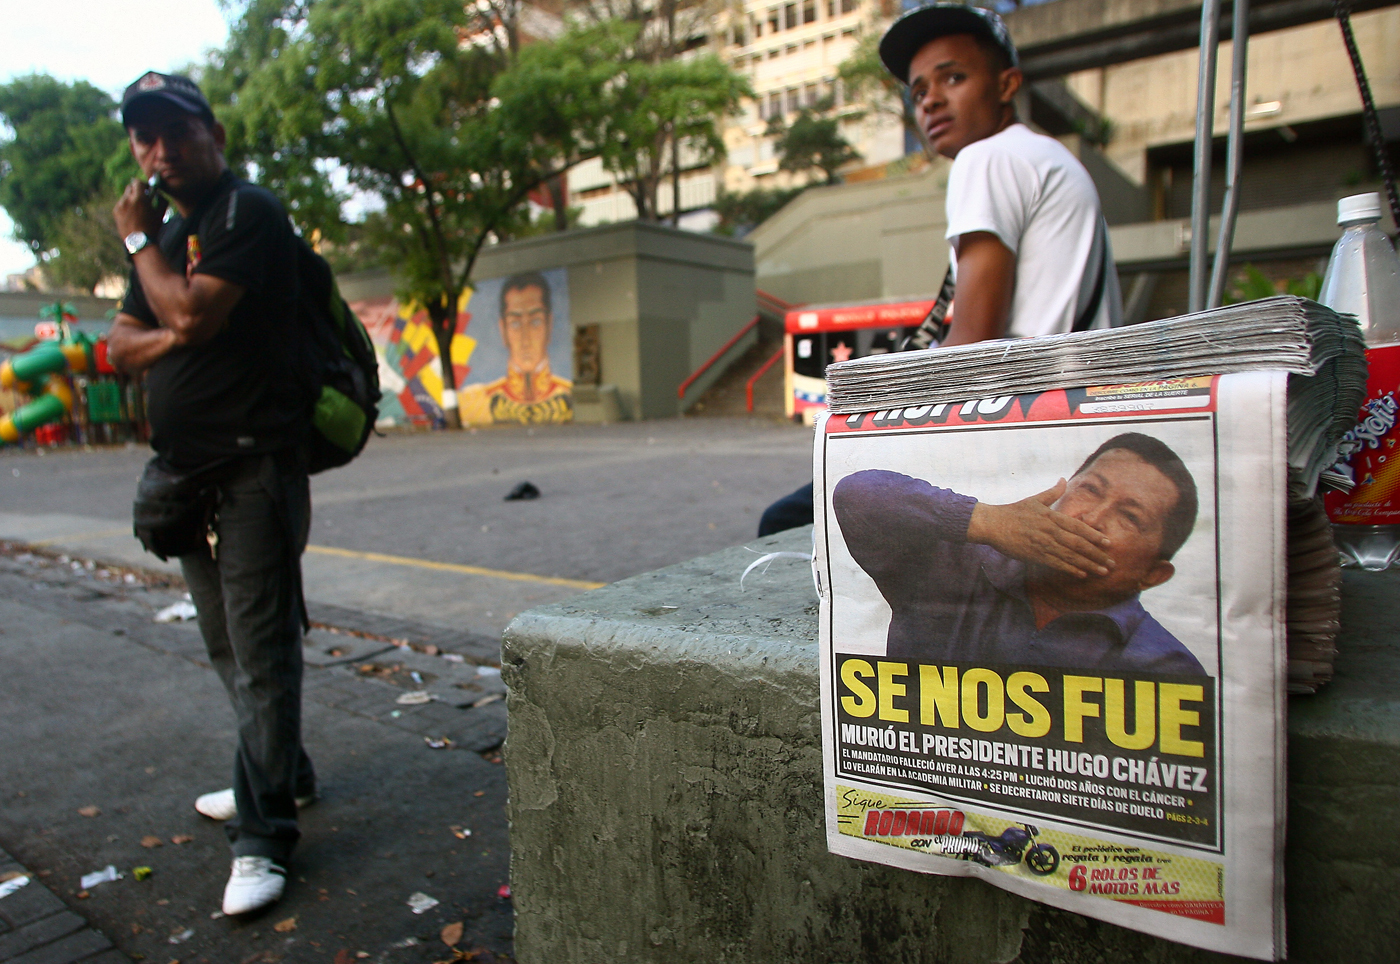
(81, 537)
(453, 567)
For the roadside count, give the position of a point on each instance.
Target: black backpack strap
(1091, 310)
(934, 328)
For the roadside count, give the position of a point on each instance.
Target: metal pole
(1234, 157)
(1205, 127)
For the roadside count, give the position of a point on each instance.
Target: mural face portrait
(526, 325)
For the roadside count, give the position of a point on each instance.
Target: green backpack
(344, 372)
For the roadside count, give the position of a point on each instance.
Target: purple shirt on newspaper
(954, 601)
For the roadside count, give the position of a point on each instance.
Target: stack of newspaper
(1322, 351)
(1285, 333)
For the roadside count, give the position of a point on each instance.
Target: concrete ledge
(597, 404)
(664, 761)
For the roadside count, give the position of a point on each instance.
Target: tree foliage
(385, 94)
(64, 139)
(740, 213)
(866, 81)
(663, 119)
(86, 249)
(813, 141)
(1251, 284)
(447, 120)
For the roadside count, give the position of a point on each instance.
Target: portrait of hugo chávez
(1051, 580)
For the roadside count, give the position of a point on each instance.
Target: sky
(108, 43)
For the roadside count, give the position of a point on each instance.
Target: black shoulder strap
(1091, 310)
(934, 328)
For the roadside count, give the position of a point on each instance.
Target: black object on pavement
(525, 490)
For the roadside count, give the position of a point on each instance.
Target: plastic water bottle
(1363, 279)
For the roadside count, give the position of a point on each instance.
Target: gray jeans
(248, 596)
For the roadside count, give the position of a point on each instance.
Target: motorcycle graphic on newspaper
(1013, 845)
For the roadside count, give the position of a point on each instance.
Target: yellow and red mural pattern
(410, 367)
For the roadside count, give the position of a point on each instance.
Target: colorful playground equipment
(43, 372)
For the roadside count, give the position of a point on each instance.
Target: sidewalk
(36, 927)
(113, 723)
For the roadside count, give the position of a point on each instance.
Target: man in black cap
(1029, 245)
(210, 316)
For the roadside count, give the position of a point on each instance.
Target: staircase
(727, 396)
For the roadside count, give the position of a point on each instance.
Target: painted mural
(511, 354)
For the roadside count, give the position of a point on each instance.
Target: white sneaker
(221, 805)
(254, 883)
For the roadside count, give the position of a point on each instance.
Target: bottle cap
(1359, 207)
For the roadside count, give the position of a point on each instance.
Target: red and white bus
(817, 335)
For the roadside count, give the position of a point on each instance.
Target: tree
(88, 250)
(661, 112)
(664, 30)
(740, 213)
(399, 98)
(65, 150)
(813, 141)
(866, 81)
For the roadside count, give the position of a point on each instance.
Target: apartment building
(790, 52)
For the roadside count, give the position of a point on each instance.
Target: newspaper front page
(1053, 649)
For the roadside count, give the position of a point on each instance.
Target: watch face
(135, 241)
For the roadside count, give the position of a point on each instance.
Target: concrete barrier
(664, 761)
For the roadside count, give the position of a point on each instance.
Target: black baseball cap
(172, 88)
(907, 35)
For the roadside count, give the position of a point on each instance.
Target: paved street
(617, 500)
(101, 707)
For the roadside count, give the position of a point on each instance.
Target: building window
(790, 15)
(849, 6)
(739, 38)
(756, 28)
(775, 104)
(775, 21)
(794, 96)
(811, 95)
(830, 9)
(809, 12)
(792, 49)
(773, 54)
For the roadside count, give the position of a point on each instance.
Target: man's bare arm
(133, 347)
(196, 308)
(982, 301)
(1031, 531)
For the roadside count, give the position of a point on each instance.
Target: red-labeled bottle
(1363, 279)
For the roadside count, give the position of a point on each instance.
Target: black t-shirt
(242, 392)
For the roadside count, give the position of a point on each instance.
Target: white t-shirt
(1034, 195)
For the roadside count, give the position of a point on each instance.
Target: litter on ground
(103, 876)
(180, 612)
(420, 902)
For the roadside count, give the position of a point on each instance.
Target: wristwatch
(135, 241)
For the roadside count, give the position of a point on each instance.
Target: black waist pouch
(174, 510)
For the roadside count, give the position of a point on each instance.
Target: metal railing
(748, 387)
(680, 392)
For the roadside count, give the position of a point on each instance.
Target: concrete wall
(870, 239)
(664, 761)
(1304, 71)
(665, 301)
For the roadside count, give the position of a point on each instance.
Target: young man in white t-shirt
(1030, 250)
